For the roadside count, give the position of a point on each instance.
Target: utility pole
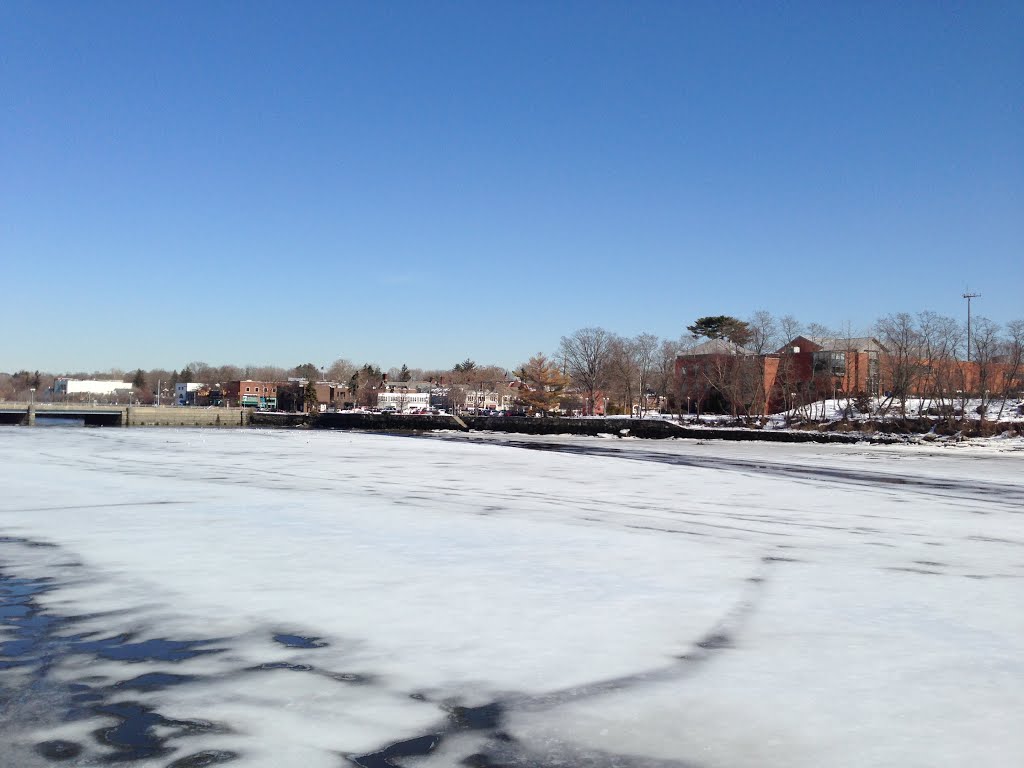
(969, 296)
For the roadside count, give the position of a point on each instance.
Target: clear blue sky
(422, 182)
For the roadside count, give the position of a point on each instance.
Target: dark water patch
(86, 696)
(351, 678)
(481, 760)
(133, 738)
(298, 641)
(779, 559)
(931, 563)
(421, 746)
(15, 610)
(207, 757)
(280, 665)
(26, 623)
(58, 749)
(476, 718)
(154, 681)
(13, 588)
(38, 639)
(908, 569)
(118, 648)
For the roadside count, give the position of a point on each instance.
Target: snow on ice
(294, 598)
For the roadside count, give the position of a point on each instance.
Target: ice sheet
(618, 609)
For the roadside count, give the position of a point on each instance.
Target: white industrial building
(185, 392)
(64, 387)
(403, 402)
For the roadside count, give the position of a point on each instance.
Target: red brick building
(719, 376)
(257, 394)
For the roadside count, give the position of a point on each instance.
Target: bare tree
(340, 370)
(586, 355)
(264, 373)
(621, 372)
(902, 342)
(819, 331)
(765, 334)
(1013, 357)
(364, 384)
(665, 382)
(645, 349)
(789, 328)
(985, 347)
(941, 376)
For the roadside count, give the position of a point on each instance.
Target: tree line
(919, 356)
(595, 369)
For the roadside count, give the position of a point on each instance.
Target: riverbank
(838, 432)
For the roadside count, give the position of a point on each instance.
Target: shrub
(862, 402)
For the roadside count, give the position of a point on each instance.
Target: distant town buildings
(64, 387)
(257, 394)
(403, 400)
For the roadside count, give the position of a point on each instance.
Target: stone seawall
(275, 419)
(643, 428)
(151, 416)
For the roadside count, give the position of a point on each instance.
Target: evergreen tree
(721, 327)
(310, 402)
(306, 371)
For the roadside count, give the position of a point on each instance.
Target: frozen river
(282, 598)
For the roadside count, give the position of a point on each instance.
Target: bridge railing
(20, 405)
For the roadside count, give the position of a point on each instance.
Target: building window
(832, 363)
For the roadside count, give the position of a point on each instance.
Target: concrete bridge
(124, 415)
